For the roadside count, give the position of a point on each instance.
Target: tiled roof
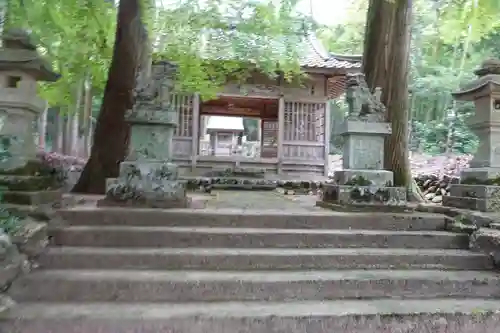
(218, 45)
(317, 57)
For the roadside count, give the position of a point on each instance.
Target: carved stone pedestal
(147, 177)
(146, 185)
(363, 184)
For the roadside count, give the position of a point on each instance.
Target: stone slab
(483, 205)
(31, 198)
(374, 177)
(273, 286)
(481, 174)
(211, 237)
(364, 195)
(243, 187)
(362, 127)
(27, 183)
(475, 191)
(363, 152)
(149, 203)
(237, 218)
(162, 193)
(360, 316)
(360, 207)
(261, 259)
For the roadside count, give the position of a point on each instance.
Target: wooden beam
(281, 131)
(195, 137)
(234, 111)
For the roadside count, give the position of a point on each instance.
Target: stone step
(244, 187)
(264, 259)
(206, 286)
(126, 236)
(269, 219)
(360, 316)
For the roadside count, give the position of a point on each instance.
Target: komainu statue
(363, 105)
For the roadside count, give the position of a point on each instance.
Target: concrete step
(203, 286)
(264, 259)
(125, 236)
(269, 219)
(360, 316)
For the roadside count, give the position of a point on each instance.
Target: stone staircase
(234, 271)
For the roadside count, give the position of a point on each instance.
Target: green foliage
(77, 36)
(450, 39)
(232, 38)
(209, 40)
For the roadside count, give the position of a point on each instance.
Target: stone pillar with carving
(148, 178)
(363, 183)
(479, 187)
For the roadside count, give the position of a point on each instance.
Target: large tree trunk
(396, 89)
(111, 132)
(386, 64)
(376, 44)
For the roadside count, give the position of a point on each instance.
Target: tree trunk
(111, 132)
(385, 64)
(376, 45)
(396, 89)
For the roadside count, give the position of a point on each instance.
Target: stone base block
(148, 170)
(162, 203)
(238, 172)
(479, 174)
(482, 205)
(365, 207)
(375, 196)
(31, 198)
(243, 187)
(475, 191)
(364, 177)
(159, 193)
(27, 183)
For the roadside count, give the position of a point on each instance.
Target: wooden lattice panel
(184, 106)
(269, 138)
(304, 132)
(303, 121)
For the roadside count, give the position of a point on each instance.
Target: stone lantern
(479, 187)
(20, 68)
(148, 178)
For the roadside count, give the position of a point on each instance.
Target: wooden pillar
(195, 131)
(281, 131)
(327, 130)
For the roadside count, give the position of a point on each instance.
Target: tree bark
(111, 132)
(396, 90)
(376, 44)
(386, 64)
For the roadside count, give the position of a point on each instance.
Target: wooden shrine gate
(296, 142)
